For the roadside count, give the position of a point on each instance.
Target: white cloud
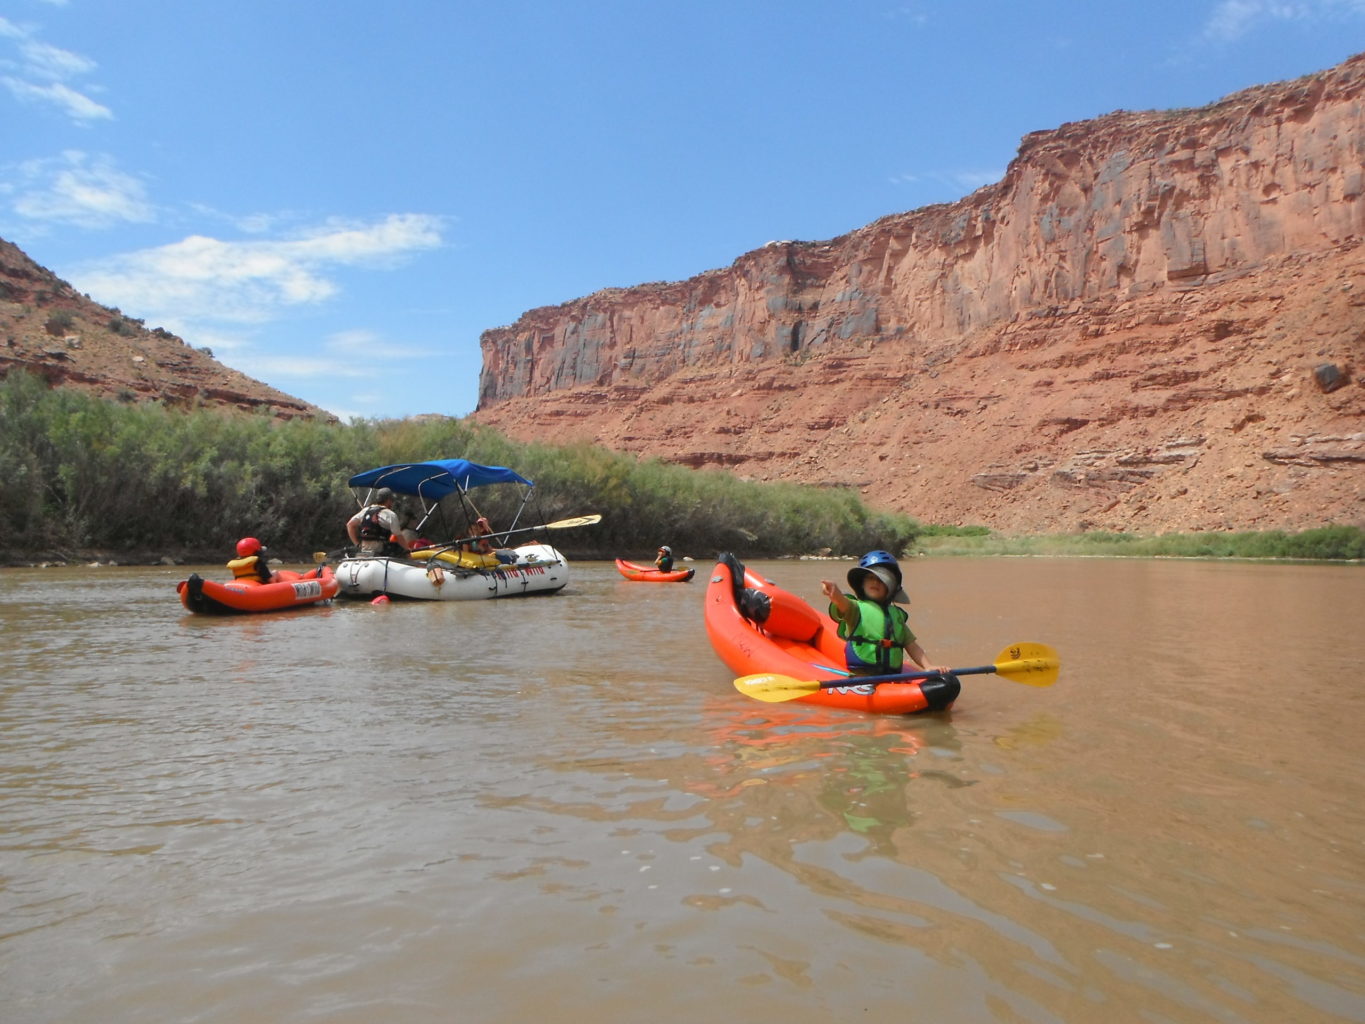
(1232, 19)
(974, 180)
(346, 354)
(266, 367)
(356, 343)
(81, 189)
(395, 236)
(963, 181)
(44, 60)
(906, 12)
(201, 278)
(41, 74)
(77, 106)
(216, 341)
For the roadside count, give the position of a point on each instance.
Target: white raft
(447, 576)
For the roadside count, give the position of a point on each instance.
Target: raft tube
(755, 626)
(288, 590)
(539, 569)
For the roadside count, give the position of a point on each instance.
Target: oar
(1034, 664)
(563, 524)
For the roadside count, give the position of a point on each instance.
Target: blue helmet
(884, 566)
(879, 558)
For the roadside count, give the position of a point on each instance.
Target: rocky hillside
(51, 330)
(1155, 321)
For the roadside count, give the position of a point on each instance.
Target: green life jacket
(877, 645)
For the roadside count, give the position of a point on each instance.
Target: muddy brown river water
(559, 808)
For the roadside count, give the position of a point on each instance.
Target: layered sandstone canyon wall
(1155, 321)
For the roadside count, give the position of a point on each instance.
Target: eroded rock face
(1123, 333)
(49, 329)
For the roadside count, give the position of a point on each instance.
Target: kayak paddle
(562, 524)
(1034, 664)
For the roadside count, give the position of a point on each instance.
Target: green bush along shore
(81, 475)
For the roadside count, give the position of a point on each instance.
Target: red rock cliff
(1153, 322)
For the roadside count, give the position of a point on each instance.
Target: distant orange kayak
(289, 590)
(649, 574)
(756, 626)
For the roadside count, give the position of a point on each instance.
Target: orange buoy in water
(381, 599)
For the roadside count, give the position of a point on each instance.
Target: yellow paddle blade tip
(773, 688)
(1030, 663)
(1027, 652)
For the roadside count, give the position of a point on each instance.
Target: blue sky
(337, 198)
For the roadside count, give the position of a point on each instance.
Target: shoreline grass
(1344, 544)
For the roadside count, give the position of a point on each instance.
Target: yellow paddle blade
(1032, 664)
(564, 524)
(774, 688)
(319, 557)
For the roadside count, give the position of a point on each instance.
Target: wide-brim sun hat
(858, 574)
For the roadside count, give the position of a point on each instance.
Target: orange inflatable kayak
(287, 590)
(755, 626)
(649, 574)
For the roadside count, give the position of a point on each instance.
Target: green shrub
(60, 322)
(108, 474)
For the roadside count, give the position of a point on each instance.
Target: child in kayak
(664, 562)
(876, 629)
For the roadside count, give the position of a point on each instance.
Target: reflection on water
(523, 810)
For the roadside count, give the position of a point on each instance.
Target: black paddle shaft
(908, 677)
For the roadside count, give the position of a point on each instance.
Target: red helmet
(248, 546)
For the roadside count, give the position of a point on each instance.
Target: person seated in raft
(869, 620)
(415, 540)
(375, 529)
(664, 563)
(250, 562)
(481, 543)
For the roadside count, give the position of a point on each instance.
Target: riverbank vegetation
(1333, 543)
(82, 475)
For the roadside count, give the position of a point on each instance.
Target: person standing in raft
(375, 529)
(869, 620)
(250, 562)
(664, 563)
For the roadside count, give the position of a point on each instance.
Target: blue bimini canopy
(432, 481)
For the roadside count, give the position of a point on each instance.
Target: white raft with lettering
(539, 569)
